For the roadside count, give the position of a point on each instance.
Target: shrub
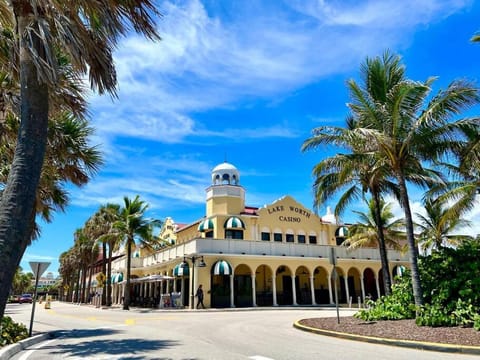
(399, 305)
(12, 332)
(451, 290)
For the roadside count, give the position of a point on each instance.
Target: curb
(8, 351)
(419, 345)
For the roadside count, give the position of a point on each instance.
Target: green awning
(234, 222)
(206, 225)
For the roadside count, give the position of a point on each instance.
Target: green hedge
(12, 332)
(451, 289)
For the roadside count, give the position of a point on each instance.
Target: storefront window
(277, 237)
(301, 239)
(265, 236)
(312, 239)
(289, 238)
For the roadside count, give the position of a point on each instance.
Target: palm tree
(364, 232)
(409, 129)
(462, 192)
(69, 158)
(101, 227)
(87, 253)
(86, 32)
(133, 226)
(437, 226)
(360, 171)
(359, 174)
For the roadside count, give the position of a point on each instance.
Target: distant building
(45, 281)
(278, 254)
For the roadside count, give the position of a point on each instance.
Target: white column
(274, 290)
(254, 291)
(294, 291)
(312, 290)
(174, 285)
(347, 291)
(182, 288)
(330, 291)
(377, 283)
(232, 300)
(363, 288)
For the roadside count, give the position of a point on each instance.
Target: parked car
(25, 298)
(14, 298)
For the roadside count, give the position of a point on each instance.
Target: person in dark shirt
(199, 296)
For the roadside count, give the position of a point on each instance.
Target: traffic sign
(38, 267)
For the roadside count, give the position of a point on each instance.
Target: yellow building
(279, 254)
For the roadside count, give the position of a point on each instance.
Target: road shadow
(94, 345)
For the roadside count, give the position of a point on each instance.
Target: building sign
(289, 213)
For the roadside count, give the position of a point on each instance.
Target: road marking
(27, 353)
(259, 357)
(130, 321)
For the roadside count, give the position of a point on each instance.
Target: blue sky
(247, 81)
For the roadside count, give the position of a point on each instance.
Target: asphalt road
(87, 332)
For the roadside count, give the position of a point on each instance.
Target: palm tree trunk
(126, 301)
(109, 276)
(104, 271)
(412, 246)
(387, 280)
(18, 197)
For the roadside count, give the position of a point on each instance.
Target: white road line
(36, 347)
(259, 357)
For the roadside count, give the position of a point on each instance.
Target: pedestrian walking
(199, 296)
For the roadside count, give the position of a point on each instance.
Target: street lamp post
(201, 263)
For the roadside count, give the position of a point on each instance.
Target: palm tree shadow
(93, 345)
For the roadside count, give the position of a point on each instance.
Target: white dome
(225, 173)
(329, 217)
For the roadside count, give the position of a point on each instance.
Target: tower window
(226, 178)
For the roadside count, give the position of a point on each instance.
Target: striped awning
(234, 223)
(342, 231)
(116, 278)
(206, 225)
(179, 270)
(222, 267)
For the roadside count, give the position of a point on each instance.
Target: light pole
(201, 263)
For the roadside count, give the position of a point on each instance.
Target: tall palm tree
(69, 158)
(437, 226)
(363, 233)
(409, 129)
(101, 227)
(356, 174)
(67, 272)
(87, 251)
(360, 170)
(87, 33)
(133, 226)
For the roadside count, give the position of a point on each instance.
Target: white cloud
(205, 61)
(417, 208)
(385, 14)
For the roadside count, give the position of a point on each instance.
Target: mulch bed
(399, 330)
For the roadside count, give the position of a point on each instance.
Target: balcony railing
(254, 248)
